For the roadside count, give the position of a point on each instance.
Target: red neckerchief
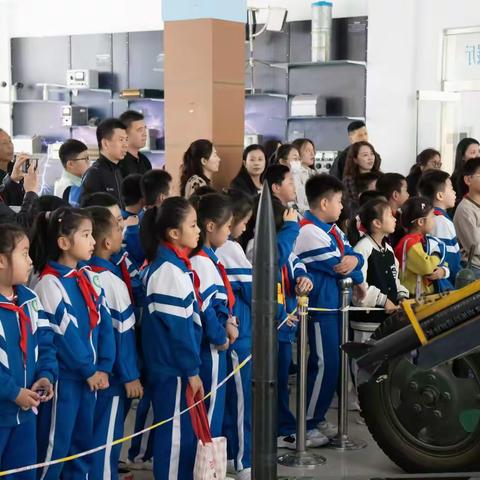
(183, 256)
(127, 279)
(333, 231)
(226, 281)
(405, 244)
(286, 287)
(24, 322)
(438, 213)
(86, 288)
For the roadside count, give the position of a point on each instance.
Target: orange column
(204, 91)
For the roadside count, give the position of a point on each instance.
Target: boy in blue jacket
(124, 381)
(326, 253)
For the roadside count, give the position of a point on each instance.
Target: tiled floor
(368, 462)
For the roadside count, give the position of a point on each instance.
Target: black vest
(381, 273)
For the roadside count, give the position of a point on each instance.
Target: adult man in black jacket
(357, 132)
(105, 175)
(135, 161)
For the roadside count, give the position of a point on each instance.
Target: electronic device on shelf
(308, 106)
(252, 139)
(74, 116)
(324, 160)
(27, 144)
(134, 93)
(82, 79)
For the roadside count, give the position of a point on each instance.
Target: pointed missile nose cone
(264, 309)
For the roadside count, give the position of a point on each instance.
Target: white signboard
(462, 60)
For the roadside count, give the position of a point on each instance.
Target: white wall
(404, 49)
(405, 55)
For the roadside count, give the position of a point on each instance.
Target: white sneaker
(290, 442)
(245, 474)
(231, 466)
(139, 465)
(327, 429)
(315, 438)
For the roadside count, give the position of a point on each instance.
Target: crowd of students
(115, 290)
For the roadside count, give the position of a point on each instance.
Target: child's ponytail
(48, 227)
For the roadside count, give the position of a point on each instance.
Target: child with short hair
(328, 256)
(423, 269)
(281, 183)
(134, 202)
(155, 187)
(110, 409)
(75, 161)
(28, 364)
(380, 268)
(467, 215)
(394, 188)
(436, 185)
(75, 305)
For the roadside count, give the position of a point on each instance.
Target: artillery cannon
(419, 383)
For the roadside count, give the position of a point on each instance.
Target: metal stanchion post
(301, 458)
(342, 441)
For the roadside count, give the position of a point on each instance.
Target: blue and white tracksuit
(171, 336)
(237, 422)
(291, 272)
(66, 424)
(141, 446)
(214, 314)
(319, 250)
(444, 230)
(110, 406)
(17, 426)
(131, 240)
(286, 238)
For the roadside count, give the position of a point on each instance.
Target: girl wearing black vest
(380, 270)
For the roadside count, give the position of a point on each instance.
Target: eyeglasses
(86, 159)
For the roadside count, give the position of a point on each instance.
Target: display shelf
(63, 102)
(55, 87)
(331, 63)
(283, 96)
(327, 117)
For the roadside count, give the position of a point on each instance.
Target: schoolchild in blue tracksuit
(133, 200)
(124, 381)
(28, 364)
(237, 423)
(140, 453)
(171, 333)
(121, 258)
(326, 253)
(292, 275)
(75, 307)
(436, 185)
(219, 325)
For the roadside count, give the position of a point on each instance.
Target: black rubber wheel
(414, 414)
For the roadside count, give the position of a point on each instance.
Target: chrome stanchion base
(301, 459)
(345, 443)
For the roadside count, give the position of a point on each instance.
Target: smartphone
(29, 162)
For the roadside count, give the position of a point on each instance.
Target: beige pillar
(204, 91)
